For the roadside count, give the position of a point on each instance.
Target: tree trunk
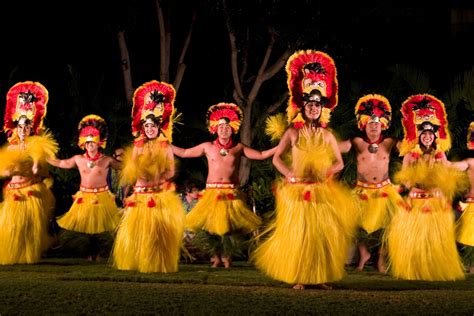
(125, 63)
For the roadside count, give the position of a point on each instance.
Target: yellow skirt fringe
(421, 242)
(25, 215)
(91, 213)
(465, 225)
(310, 237)
(377, 206)
(221, 211)
(150, 235)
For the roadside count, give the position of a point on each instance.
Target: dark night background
(71, 48)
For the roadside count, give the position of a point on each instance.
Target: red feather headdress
(421, 112)
(25, 101)
(307, 71)
(373, 107)
(229, 112)
(92, 128)
(154, 100)
(470, 136)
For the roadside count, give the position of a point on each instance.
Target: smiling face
(91, 147)
(312, 110)
(427, 138)
(224, 131)
(151, 130)
(24, 130)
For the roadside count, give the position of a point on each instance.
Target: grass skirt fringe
(222, 211)
(421, 242)
(465, 225)
(150, 234)
(24, 220)
(311, 234)
(91, 213)
(377, 206)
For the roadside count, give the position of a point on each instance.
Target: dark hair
(189, 185)
(155, 119)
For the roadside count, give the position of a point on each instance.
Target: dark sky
(40, 42)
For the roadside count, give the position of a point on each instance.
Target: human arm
(63, 163)
(193, 152)
(115, 164)
(462, 165)
(344, 146)
(258, 155)
(278, 162)
(338, 163)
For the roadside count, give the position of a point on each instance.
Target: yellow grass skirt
(221, 211)
(377, 206)
(311, 234)
(421, 242)
(465, 225)
(25, 216)
(91, 213)
(151, 232)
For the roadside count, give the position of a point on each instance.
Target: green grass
(74, 286)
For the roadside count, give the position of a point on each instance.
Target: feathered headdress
(26, 103)
(424, 112)
(153, 101)
(470, 136)
(92, 128)
(220, 113)
(373, 107)
(307, 71)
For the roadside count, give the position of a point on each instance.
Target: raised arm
(258, 155)
(115, 164)
(193, 152)
(63, 163)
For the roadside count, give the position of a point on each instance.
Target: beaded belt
(220, 185)
(367, 185)
(94, 190)
(469, 199)
(421, 195)
(295, 180)
(147, 189)
(22, 184)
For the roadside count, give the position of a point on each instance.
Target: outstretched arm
(344, 146)
(258, 155)
(115, 164)
(193, 152)
(63, 163)
(462, 165)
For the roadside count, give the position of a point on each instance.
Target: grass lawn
(75, 286)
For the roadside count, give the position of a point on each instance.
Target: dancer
(315, 217)
(222, 213)
(28, 204)
(150, 235)
(421, 240)
(94, 210)
(465, 223)
(378, 198)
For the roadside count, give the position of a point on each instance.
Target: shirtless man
(94, 210)
(378, 197)
(222, 209)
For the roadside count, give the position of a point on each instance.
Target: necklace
(374, 146)
(91, 163)
(223, 149)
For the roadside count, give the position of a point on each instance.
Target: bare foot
(471, 269)
(227, 262)
(90, 259)
(216, 261)
(323, 286)
(364, 257)
(298, 286)
(97, 258)
(381, 265)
